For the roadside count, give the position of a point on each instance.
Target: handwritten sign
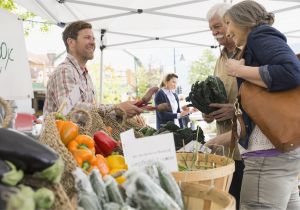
(138, 152)
(15, 79)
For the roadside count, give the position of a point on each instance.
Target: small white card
(72, 99)
(138, 152)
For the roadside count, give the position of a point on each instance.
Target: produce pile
(203, 93)
(182, 136)
(91, 153)
(152, 189)
(22, 157)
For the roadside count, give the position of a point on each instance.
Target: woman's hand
(184, 113)
(233, 67)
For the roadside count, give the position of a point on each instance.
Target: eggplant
(9, 174)
(4, 168)
(5, 192)
(20, 198)
(25, 152)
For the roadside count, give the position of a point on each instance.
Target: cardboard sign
(138, 152)
(15, 79)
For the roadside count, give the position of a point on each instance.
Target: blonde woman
(167, 94)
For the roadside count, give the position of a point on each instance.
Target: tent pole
(101, 77)
(102, 47)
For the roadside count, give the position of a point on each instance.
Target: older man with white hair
(225, 112)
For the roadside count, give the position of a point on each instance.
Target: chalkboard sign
(15, 79)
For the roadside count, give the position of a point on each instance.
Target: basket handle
(8, 113)
(88, 123)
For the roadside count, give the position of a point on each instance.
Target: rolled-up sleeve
(274, 56)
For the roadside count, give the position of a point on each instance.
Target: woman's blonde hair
(249, 14)
(167, 78)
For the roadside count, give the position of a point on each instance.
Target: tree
(203, 67)
(146, 78)
(114, 86)
(24, 15)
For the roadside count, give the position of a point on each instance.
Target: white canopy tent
(152, 23)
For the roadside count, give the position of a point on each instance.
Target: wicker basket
(119, 125)
(203, 197)
(8, 113)
(83, 119)
(62, 202)
(219, 176)
(50, 137)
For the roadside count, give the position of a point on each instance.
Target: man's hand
(222, 139)
(130, 109)
(207, 118)
(223, 112)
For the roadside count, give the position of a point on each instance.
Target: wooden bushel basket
(197, 195)
(212, 170)
(220, 176)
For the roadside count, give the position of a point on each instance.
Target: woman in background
(167, 94)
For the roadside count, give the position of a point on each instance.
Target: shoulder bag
(277, 114)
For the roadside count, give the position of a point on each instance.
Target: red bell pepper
(104, 144)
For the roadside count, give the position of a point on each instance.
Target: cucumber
(99, 187)
(113, 191)
(147, 194)
(168, 183)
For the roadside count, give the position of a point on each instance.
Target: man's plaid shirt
(63, 80)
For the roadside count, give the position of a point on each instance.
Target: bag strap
(237, 116)
(234, 131)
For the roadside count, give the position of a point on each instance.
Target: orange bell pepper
(85, 159)
(102, 165)
(67, 130)
(82, 142)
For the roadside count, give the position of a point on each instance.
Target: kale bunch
(182, 136)
(203, 93)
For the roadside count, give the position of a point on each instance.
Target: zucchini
(24, 152)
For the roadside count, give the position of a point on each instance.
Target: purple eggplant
(24, 152)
